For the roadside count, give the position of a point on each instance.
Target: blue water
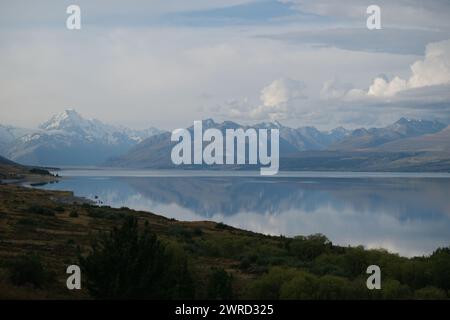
(402, 212)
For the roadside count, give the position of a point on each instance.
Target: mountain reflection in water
(410, 216)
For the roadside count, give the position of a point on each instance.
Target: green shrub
(430, 293)
(127, 264)
(333, 288)
(310, 247)
(269, 285)
(394, 290)
(28, 269)
(59, 209)
(220, 285)
(73, 214)
(222, 226)
(303, 286)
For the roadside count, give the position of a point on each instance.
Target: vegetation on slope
(132, 254)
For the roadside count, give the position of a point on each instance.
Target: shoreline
(49, 224)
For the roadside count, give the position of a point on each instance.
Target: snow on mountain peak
(70, 122)
(65, 119)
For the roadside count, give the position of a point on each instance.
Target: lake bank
(32, 222)
(406, 213)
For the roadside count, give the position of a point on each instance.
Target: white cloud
(282, 91)
(278, 101)
(432, 70)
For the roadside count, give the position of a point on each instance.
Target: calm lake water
(405, 213)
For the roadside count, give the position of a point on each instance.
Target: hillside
(13, 172)
(41, 232)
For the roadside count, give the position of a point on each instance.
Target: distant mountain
(8, 134)
(420, 152)
(307, 148)
(155, 151)
(5, 161)
(434, 142)
(369, 138)
(69, 139)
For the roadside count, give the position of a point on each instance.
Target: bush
(333, 288)
(393, 289)
(222, 226)
(430, 293)
(41, 210)
(269, 285)
(126, 264)
(303, 286)
(59, 209)
(308, 248)
(28, 269)
(73, 214)
(220, 285)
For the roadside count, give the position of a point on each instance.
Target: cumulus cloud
(432, 70)
(282, 91)
(278, 101)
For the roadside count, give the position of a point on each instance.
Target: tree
(333, 288)
(220, 285)
(126, 264)
(310, 247)
(28, 269)
(303, 286)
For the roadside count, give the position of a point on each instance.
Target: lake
(405, 213)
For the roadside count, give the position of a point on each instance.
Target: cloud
(389, 40)
(282, 91)
(112, 12)
(432, 70)
(431, 14)
(278, 100)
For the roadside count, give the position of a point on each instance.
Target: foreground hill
(41, 231)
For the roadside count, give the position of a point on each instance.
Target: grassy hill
(42, 232)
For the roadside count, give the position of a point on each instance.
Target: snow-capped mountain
(69, 139)
(8, 134)
(305, 138)
(155, 151)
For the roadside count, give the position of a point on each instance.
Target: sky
(166, 63)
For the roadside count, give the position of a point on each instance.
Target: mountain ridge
(298, 142)
(69, 139)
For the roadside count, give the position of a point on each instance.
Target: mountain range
(306, 148)
(69, 139)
